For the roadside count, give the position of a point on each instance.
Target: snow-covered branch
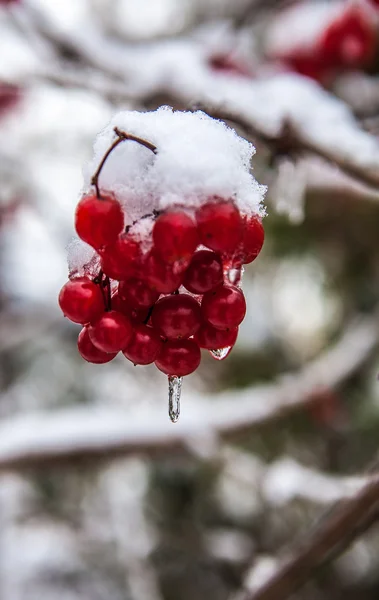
(348, 520)
(73, 434)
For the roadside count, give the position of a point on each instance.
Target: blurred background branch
(101, 497)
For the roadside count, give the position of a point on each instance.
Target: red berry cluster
(349, 42)
(147, 317)
(163, 299)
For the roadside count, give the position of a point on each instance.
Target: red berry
(219, 225)
(137, 293)
(224, 307)
(135, 315)
(81, 300)
(210, 338)
(350, 40)
(229, 64)
(10, 95)
(98, 221)
(89, 352)
(144, 345)
(111, 332)
(204, 272)
(175, 236)
(252, 239)
(161, 276)
(177, 316)
(178, 357)
(120, 259)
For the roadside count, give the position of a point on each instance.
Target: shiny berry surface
(137, 293)
(178, 357)
(204, 272)
(175, 236)
(160, 276)
(121, 259)
(210, 338)
(89, 352)
(136, 315)
(252, 239)
(81, 300)
(111, 332)
(177, 316)
(144, 346)
(224, 307)
(219, 225)
(98, 221)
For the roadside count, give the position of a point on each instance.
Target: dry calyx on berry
(169, 241)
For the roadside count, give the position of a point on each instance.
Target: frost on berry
(169, 205)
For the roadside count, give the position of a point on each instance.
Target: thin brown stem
(349, 519)
(122, 136)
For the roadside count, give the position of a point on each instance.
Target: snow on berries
(169, 214)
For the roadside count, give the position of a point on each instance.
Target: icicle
(234, 275)
(174, 391)
(221, 353)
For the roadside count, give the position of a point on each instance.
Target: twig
(349, 519)
(122, 136)
(291, 142)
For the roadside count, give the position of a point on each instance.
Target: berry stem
(105, 286)
(122, 136)
(150, 312)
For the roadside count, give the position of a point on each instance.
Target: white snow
(197, 158)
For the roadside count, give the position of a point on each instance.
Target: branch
(40, 440)
(347, 521)
(293, 141)
(286, 112)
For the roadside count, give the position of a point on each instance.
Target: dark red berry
(219, 225)
(175, 236)
(89, 352)
(160, 276)
(137, 293)
(111, 332)
(350, 40)
(99, 221)
(229, 64)
(81, 300)
(136, 315)
(204, 272)
(178, 357)
(224, 307)
(252, 239)
(177, 316)
(144, 346)
(210, 338)
(121, 259)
